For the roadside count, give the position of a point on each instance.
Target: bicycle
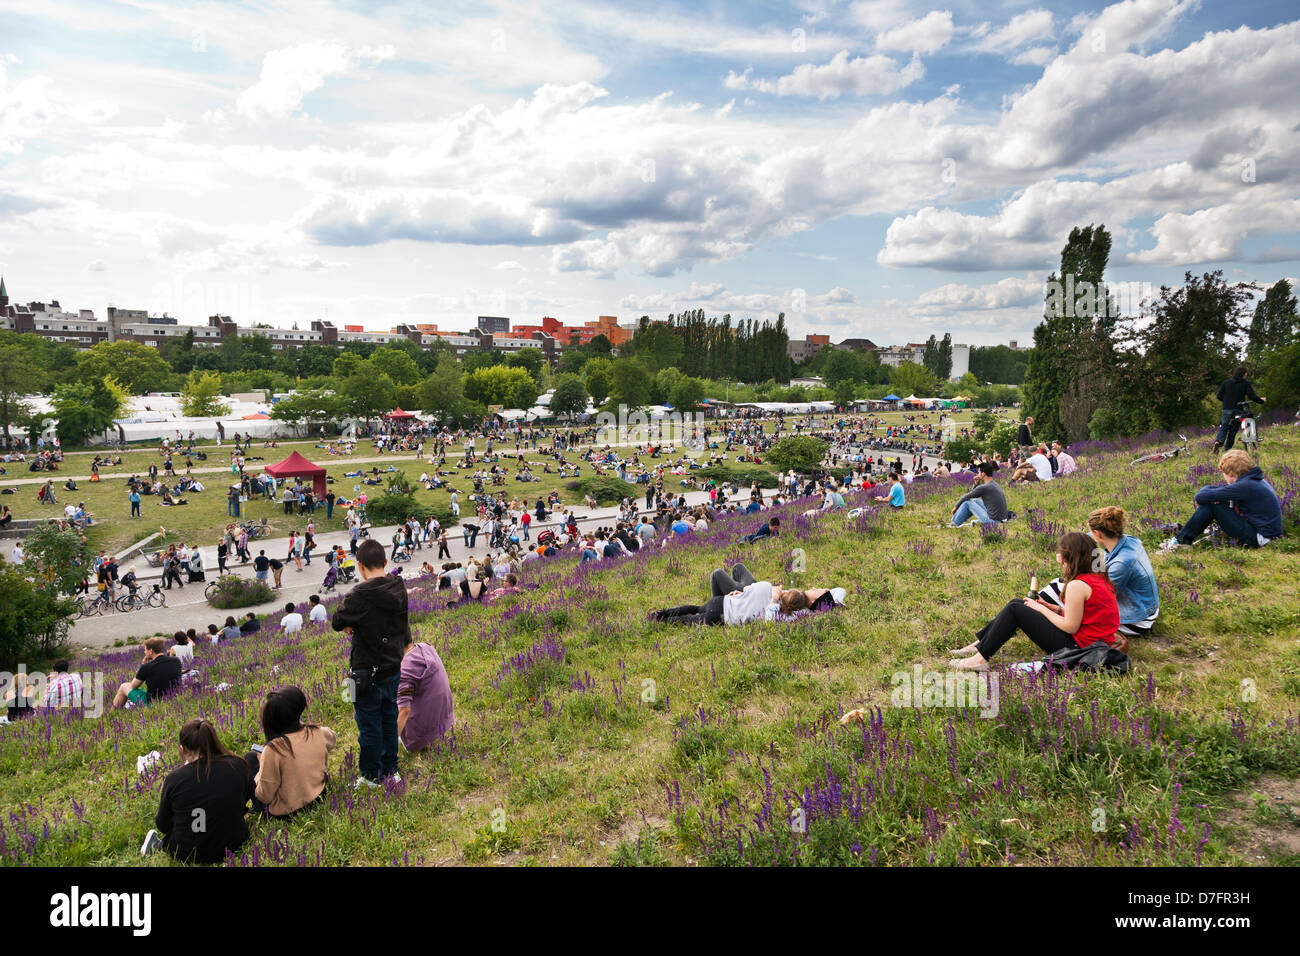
(1161, 455)
(256, 530)
(101, 603)
(139, 599)
(1247, 429)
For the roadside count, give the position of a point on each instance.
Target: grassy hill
(586, 734)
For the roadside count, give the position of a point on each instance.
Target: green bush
(742, 475)
(394, 509)
(606, 490)
(800, 452)
(33, 621)
(234, 591)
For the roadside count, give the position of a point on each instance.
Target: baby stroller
(547, 537)
(401, 553)
(331, 578)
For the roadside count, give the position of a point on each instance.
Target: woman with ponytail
(1088, 613)
(1129, 569)
(201, 812)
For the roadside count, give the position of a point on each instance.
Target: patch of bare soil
(1267, 816)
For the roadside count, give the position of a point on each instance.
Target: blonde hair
(1109, 520)
(1235, 462)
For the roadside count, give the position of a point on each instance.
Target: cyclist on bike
(1233, 394)
(129, 581)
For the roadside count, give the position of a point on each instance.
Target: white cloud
(289, 74)
(926, 35)
(1022, 29)
(24, 110)
(859, 76)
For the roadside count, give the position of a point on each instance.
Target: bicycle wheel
(157, 599)
(124, 603)
(1145, 459)
(209, 591)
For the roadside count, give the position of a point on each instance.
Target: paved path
(186, 607)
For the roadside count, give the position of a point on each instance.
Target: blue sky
(879, 169)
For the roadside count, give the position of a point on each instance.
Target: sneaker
(152, 843)
(1262, 540)
(365, 782)
(1170, 546)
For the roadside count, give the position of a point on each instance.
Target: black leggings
(721, 584)
(1019, 616)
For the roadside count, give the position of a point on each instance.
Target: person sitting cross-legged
(160, 672)
(1245, 506)
(1090, 612)
(985, 502)
(290, 772)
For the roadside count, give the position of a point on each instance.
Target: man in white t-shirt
(17, 552)
(318, 613)
(1037, 464)
(291, 623)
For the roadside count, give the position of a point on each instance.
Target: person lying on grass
(1245, 506)
(1129, 569)
(738, 598)
(1090, 612)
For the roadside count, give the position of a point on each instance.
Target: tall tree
(1184, 347)
(1273, 326)
(19, 376)
(1071, 370)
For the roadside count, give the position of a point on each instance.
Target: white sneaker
(1262, 540)
(152, 842)
(361, 782)
(1170, 546)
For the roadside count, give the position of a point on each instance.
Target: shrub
(742, 475)
(607, 490)
(33, 620)
(800, 452)
(234, 591)
(394, 509)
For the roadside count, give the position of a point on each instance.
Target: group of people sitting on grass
(1107, 589)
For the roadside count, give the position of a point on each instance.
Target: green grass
(581, 762)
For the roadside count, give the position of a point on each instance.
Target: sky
(884, 169)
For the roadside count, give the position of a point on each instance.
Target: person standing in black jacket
(201, 810)
(374, 613)
(1232, 393)
(1025, 437)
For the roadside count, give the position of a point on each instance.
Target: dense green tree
(201, 395)
(368, 394)
(998, 364)
(569, 396)
(443, 392)
(396, 363)
(137, 366)
(909, 378)
(629, 384)
(597, 373)
(687, 394)
(1179, 352)
(84, 409)
(530, 360)
(19, 376)
(500, 385)
(1274, 325)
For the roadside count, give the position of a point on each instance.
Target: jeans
(471, 537)
(135, 509)
(968, 509)
(1234, 525)
(329, 509)
(376, 714)
(1227, 428)
(721, 583)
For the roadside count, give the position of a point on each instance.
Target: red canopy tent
(398, 413)
(296, 466)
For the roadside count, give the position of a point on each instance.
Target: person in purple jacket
(1245, 506)
(424, 708)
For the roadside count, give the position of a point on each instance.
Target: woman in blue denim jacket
(1129, 569)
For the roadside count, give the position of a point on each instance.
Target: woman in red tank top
(1089, 612)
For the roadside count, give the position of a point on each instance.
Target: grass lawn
(202, 520)
(586, 734)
